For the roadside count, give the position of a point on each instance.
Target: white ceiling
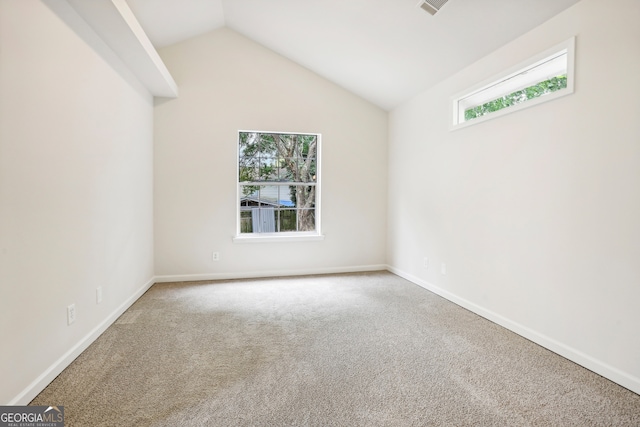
(383, 50)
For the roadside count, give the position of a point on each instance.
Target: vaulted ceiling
(386, 51)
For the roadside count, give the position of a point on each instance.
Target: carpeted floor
(366, 349)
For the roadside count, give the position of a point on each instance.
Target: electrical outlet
(98, 294)
(216, 256)
(71, 314)
(425, 262)
(443, 269)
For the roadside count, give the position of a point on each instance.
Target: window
(278, 185)
(542, 78)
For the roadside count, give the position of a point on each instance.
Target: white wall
(536, 213)
(227, 83)
(76, 199)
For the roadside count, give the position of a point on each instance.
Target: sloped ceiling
(386, 51)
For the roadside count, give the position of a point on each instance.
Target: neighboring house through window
(278, 184)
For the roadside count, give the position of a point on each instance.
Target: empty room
(320, 213)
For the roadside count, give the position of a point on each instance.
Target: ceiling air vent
(432, 6)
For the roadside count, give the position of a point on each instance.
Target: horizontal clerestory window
(542, 78)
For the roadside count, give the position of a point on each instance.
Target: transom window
(278, 184)
(542, 78)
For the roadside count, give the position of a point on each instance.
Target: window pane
(248, 173)
(248, 195)
(553, 66)
(263, 219)
(268, 169)
(306, 220)
(308, 171)
(287, 220)
(290, 167)
(303, 196)
(305, 199)
(270, 195)
(280, 172)
(246, 225)
(542, 88)
(248, 148)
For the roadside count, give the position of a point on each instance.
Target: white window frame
(522, 68)
(283, 236)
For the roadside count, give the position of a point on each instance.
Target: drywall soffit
(114, 22)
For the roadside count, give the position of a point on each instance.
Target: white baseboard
(268, 273)
(616, 375)
(622, 378)
(39, 384)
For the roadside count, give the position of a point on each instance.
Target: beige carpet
(365, 349)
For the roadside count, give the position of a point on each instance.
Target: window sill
(277, 237)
